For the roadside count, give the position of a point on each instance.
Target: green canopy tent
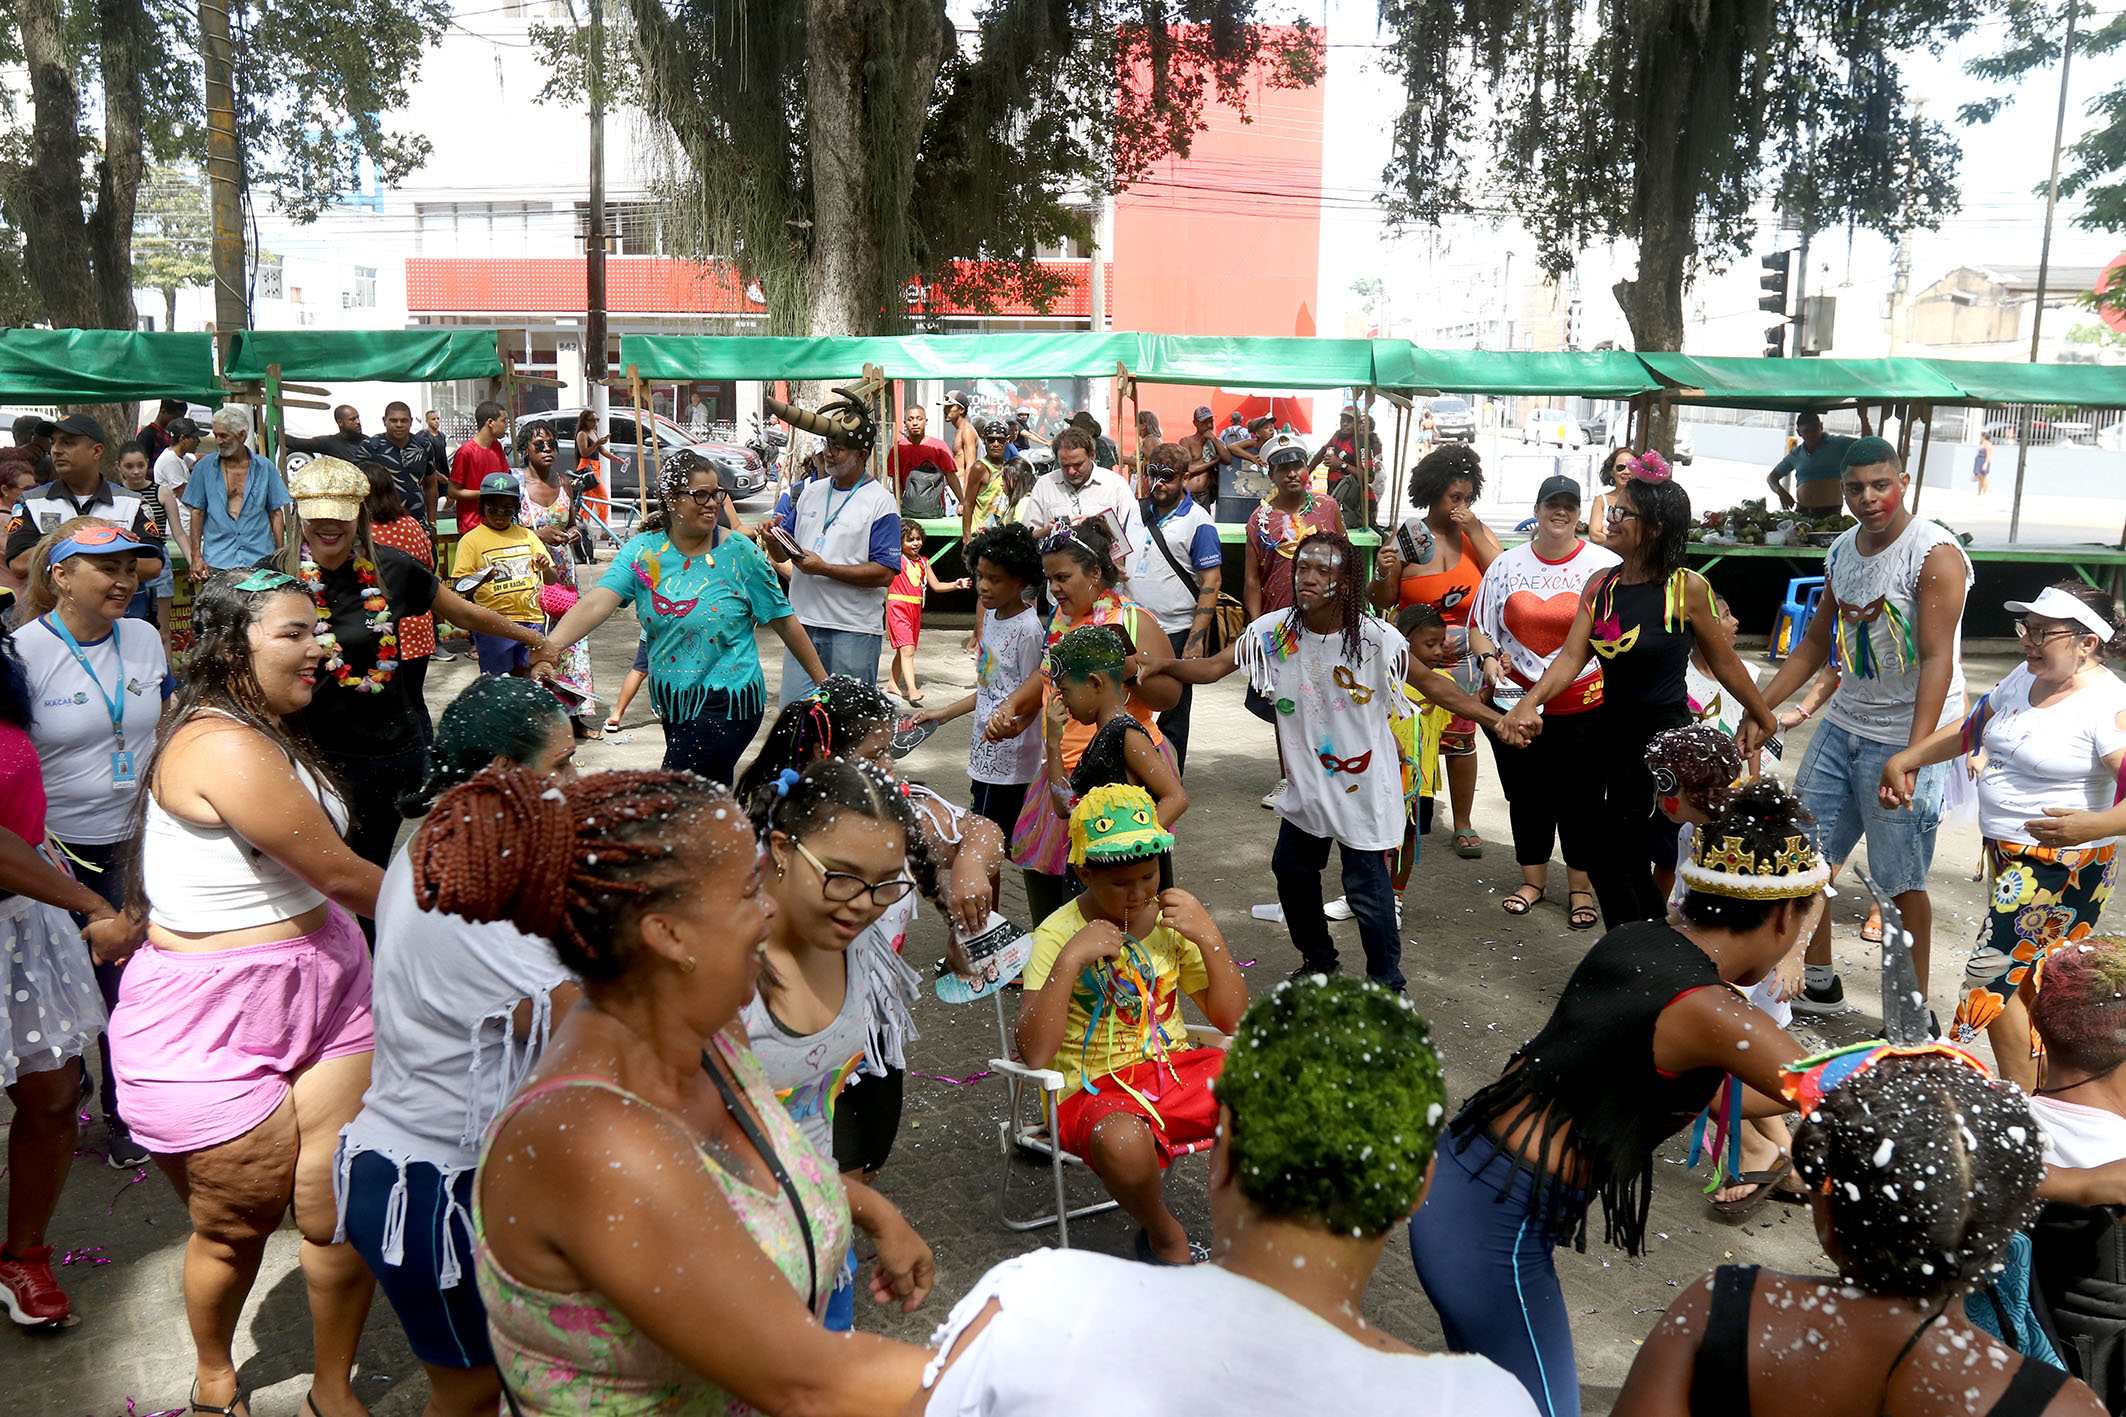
(1599, 374)
(363, 356)
(105, 366)
(1987, 383)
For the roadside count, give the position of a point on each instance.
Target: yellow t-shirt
(1417, 734)
(517, 554)
(1120, 1037)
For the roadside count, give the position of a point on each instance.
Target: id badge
(122, 769)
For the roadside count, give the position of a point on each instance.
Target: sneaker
(1337, 909)
(1308, 971)
(119, 1148)
(1271, 798)
(1825, 1001)
(443, 656)
(33, 1297)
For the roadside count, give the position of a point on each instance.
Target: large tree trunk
(125, 38)
(1665, 203)
(56, 234)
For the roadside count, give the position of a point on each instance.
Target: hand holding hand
(1898, 783)
(1004, 724)
(112, 938)
(1520, 724)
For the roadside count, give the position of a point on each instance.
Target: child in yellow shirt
(512, 563)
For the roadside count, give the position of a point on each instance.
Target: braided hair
(577, 862)
(1441, 468)
(496, 717)
(219, 678)
(1350, 596)
(1928, 1167)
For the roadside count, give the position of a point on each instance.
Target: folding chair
(1024, 1129)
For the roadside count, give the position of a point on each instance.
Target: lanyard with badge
(819, 542)
(122, 772)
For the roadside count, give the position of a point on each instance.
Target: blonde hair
(40, 596)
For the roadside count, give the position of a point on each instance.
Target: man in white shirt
(1175, 572)
(1299, 1215)
(843, 547)
(1078, 489)
(173, 468)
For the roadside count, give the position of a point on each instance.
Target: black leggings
(1635, 836)
(867, 1117)
(1554, 790)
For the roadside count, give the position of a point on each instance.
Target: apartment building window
(269, 280)
(363, 296)
(632, 228)
(477, 228)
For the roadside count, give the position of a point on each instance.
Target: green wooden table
(2100, 565)
(941, 534)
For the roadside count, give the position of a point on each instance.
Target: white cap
(2057, 604)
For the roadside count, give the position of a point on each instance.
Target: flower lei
(374, 606)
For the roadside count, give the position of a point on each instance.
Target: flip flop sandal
(1763, 1184)
(1147, 1255)
(1872, 931)
(1468, 845)
(1582, 917)
(1518, 904)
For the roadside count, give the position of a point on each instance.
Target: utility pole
(1801, 293)
(594, 243)
(2044, 268)
(224, 178)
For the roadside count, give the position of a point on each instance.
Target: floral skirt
(2043, 897)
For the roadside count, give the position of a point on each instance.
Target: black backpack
(923, 492)
(2078, 1265)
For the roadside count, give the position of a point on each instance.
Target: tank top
(809, 1070)
(1105, 760)
(1592, 1068)
(1452, 590)
(566, 1354)
(1642, 635)
(201, 880)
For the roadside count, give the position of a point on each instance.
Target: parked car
(1453, 421)
(1550, 425)
(741, 470)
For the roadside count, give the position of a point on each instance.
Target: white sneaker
(1270, 800)
(1338, 909)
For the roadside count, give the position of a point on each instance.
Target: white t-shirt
(172, 471)
(2078, 1135)
(847, 528)
(1010, 655)
(447, 1057)
(1333, 720)
(1709, 699)
(1525, 605)
(72, 724)
(1878, 615)
(2047, 757)
(1075, 1333)
(1053, 499)
(1193, 538)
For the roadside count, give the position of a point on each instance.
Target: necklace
(374, 606)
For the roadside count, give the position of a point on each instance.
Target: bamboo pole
(273, 426)
(642, 472)
(1919, 483)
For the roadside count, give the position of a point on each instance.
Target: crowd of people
(598, 1075)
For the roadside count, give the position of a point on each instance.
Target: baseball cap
(1203, 411)
(31, 425)
(1866, 452)
(1557, 485)
(501, 484)
(97, 541)
(180, 428)
(954, 398)
(1235, 419)
(81, 426)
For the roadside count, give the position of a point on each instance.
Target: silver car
(739, 469)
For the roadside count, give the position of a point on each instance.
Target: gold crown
(1726, 866)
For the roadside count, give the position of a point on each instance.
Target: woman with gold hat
(363, 718)
(1649, 1026)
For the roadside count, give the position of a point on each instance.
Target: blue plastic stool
(1802, 595)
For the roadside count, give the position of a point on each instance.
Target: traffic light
(1777, 267)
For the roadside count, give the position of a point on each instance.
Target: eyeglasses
(702, 496)
(540, 445)
(842, 887)
(1617, 514)
(2045, 637)
(996, 438)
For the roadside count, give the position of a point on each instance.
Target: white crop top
(201, 880)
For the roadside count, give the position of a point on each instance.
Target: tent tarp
(1254, 361)
(105, 366)
(1797, 384)
(2076, 385)
(949, 357)
(1603, 374)
(361, 356)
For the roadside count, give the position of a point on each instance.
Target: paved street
(1486, 980)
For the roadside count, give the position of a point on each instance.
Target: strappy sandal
(193, 1404)
(1764, 1185)
(1518, 904)
(1582, 917)
(1871, 930)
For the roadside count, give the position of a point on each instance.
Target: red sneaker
(28, 1288)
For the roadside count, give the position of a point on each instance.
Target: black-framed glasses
(1617, 513)
(842, 887)
(2045, 637)
(703, 497)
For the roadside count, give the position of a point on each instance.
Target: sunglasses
(841, 887)
(1618, 514)
(541, 445)
(99, 536)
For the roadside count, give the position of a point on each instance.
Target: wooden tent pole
(275, 422)
(642, 473)
(1919, 483)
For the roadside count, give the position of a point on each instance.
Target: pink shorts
(904, 624)
(204, 1045)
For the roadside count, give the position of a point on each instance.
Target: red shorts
(1179, 1088)
(904, 624)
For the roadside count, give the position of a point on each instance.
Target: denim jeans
(841, 651)
(1297, 863)
(1837, 781)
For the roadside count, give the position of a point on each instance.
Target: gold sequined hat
(1720, 864)
(329, 489)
